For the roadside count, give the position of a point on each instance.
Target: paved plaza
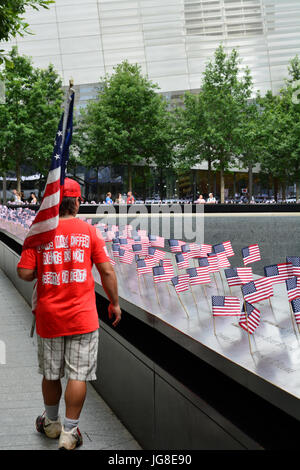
(20, 389)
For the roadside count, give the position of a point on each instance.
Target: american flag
(168, 266)
(155, 253)
(125, 243)
(198, 276)
(181, 282)
(258, 290)
(175, 245)
(250, 254)
(115, 249)
(126, 256)
(238, 276)
(228, 248)
(295, 261)
(160, 274)
(293, 287)
(156, 241)
(143, 266)
(251, 322)
(186, 252)
(222, 255)
(140, 249)
(205, 249)
(296, 309)
(46, 220)
(278, 273)
(213, 264)
(195, 250)
(223, 306)
(181, 261)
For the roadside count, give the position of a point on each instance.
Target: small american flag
(126, 256)
(228, 249)
(222, 255)
(186, 252)
(195, 250)
(125, 243)
(295, 261)
(44, 225)
(258, 290)
(251, 322)
(293, 287)
(168, 266)
(278, 273)
(140, 249)
(115, 249)
(213, 264)
(296, 309)
(198, 276)
(181, 261)
(181, 282)
(156, 241)
(143, 267)
(160, 274)
(175, 245)
(205, 249)
(238, 276)
(225, 306)
(251, 254)
(155, 253)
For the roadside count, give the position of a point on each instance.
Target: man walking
(66, 314)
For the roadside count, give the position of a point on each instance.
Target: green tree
(12, 22)
(29, 117)
(281, 133)
(128, 124)
(209, 126)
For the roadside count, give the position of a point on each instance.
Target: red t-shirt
(66, 303)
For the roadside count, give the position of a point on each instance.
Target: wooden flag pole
(139, 284)
(206, 297)
(216, 283)
(182, 305)
(168, 289)
(214, 323)
(194, 299)
(222, 282)
(247, 325)
(292, 318)
(155, 286)
(273, 311)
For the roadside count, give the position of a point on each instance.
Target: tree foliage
(129, 123)
(29, 117)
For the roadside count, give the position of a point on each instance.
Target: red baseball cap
(71, 188)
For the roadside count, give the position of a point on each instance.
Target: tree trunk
(234, 184)
(18, 175)
(222, 186)
(4, 189)
(283, 189)
(297, 191)
(250, 182)
(129, 168)
(275, 180)
(209, 175)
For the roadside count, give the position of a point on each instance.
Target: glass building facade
(171, 40)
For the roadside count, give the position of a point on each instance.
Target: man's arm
(110, 285)
(26, 274)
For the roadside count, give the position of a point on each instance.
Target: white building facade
(171, 40)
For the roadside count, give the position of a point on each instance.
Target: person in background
(211, 199)
(130, 198)
(200, 200)
(108, 199)
(120, 199)
(33, 199)
(16, 196)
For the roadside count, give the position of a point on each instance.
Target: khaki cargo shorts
(76, 355)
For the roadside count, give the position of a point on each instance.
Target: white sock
(69, 424)
(52, 412)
